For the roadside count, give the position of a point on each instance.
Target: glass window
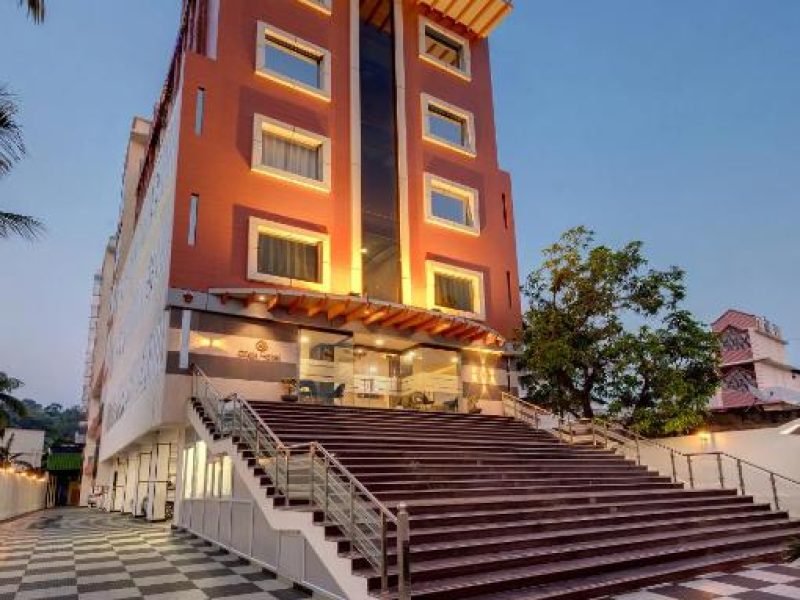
(447, 126)
(284, 257)
(281, 152)
(450, 207)
(444, 49)
(454, 292)
(293, 62)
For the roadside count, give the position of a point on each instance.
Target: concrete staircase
(501, 511)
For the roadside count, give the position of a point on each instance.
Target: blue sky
(676, 122)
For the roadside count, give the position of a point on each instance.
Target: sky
(674, 122)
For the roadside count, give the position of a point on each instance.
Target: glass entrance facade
(367, 371)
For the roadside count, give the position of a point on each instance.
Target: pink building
(755, 368)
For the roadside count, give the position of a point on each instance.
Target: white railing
(697, 470)
(308, 472)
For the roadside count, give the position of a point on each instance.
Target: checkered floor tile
(758, 582)
(87, 555)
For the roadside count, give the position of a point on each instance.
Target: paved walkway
(89, 555)
(758, 582)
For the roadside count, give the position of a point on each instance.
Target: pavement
(90, 555)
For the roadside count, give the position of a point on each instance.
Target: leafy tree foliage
(603, 329)
(59, 424)
(10, 405)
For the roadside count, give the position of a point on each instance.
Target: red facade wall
(216, 165)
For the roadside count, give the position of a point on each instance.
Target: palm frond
(15, 405)
(36, 9)
(12, 147)
(21, 225)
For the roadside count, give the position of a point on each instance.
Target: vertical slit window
(194, 202)
(505, 211)
(508, 288)
(199, 111)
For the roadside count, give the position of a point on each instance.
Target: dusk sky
(676, 122)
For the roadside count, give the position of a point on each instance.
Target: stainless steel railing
(697, 470)
(308, 472)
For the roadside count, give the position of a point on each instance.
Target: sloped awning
(403, 319)
(480, 17)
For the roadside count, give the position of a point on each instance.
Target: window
(288, 255)
(293, 62)
(194, 201)
(323, 6)
(448, 126)
(455, 290)
(450, 204)
(199, 111)
(444, 49)
(291, 153)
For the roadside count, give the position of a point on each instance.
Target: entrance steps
(499, 511)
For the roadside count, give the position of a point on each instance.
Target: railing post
(674, 468)
(403, 541)
(638, 450)
(720, 471)
(352, 514)
(741, 474)
(311, 452)
(691, 471)
(286, 480)
(774, 490)
(327, 469)
(384, 555)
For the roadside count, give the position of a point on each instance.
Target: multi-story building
(315, 212)
(755, 368)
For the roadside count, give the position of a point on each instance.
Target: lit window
(451, 205)
(444, 49)
(293, 62)
(288, 255)
(455, 290)
(291, 154)
(448, 126)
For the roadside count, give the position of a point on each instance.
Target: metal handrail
(606, 432)
(365, 519)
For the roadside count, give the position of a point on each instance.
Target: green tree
(12, 148)
(580, 349)
(10, 405)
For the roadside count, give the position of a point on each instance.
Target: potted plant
(290, 389)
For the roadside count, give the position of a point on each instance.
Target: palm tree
(35, 9)
(9, 403)
(12, 148)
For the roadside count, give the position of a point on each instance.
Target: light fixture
(364, 251)
(379, 342)
(262, 298)
(304, 339)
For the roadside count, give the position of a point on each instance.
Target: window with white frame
(290, 153)
(288, 255)
(450, 204)
(444, 49)
(323, 6)
(293, 62)
(455, 290)
(448, 125)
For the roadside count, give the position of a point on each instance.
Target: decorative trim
(469, 120)
(463, 192)
(406, 294)
(466, 72)
(258, 226)
(302, 136)
(356, 267)
(323, 55)
(433, 267)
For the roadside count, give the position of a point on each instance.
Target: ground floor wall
(20, 494)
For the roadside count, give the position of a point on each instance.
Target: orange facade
(216, 164)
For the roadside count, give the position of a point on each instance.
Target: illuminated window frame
(323, 6)
(467, 117)
(262, 124)
(262, 226)
(465, 193)
(432, 268)
(323, 55)
(465, 72)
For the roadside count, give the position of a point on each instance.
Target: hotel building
(315, 212)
